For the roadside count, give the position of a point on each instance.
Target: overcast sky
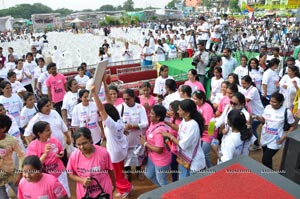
(84, 4)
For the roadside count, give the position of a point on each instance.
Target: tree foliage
(107, 7)
(63, 11)
(128, 5)
(233, 5)
(171, 4)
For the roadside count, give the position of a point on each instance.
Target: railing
(128, 70)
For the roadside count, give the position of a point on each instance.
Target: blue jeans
(3, 193)
(183, 172)
(206, 149)
(158, 175)
(174, 167)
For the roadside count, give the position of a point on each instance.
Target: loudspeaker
(290, 162)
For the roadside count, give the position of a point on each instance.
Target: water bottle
(139, 150)
(211, 126)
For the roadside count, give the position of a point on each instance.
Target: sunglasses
(233, 103)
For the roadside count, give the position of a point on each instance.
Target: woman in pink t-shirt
(36, 184)
(193, 81)
(174, 122)
(159, 158)
(231, 89)
(49, 150)
(208, 113)
(90, 161)
(146, 99)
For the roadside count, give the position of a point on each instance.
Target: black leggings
(267, 156)
(128, 170)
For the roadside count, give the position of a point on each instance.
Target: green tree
(128, 5)
(64, 11)
(107, 8)
(233, 5)
(171, 4)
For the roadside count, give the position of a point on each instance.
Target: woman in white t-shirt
(270, 81)
(147, 55)
(238, 140)
(23, 75)
(189, 138)
(116, 143)
(11, 101)
(255, 72)
(29, 110)
(254, 105)
(70, 101)
(135, 118)
(160, 82)
(289, 84)
(85, 114)
(11, 64)
(272, 134)
(242, 70)
(81, 78)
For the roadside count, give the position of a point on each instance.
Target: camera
(101, 50)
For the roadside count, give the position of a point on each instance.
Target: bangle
(145, 144)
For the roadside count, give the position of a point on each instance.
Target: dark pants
(64, 159)
(57, 107)
(174, 168)
(267, 156)
(265, 101)
(255, 125)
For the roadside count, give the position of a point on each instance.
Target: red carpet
(224, 184)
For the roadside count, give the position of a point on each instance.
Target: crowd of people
(53, 129)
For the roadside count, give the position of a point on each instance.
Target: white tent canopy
(76, 20)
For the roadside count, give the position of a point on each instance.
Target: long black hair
(237, 120)
(189, 106)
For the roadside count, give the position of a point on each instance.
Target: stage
(242, 177)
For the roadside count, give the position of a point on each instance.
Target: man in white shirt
(228, 63)
(203, 58)
(182, 46)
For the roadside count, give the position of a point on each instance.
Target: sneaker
(253, 147)
(126, 194)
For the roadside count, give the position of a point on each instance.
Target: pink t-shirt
(155, 138)
(151, 101)
(207, 113)
(119, 101)
(195, 85)
(96, 166)
(57, 87)
(223, 103)
(53, 164)
(175, 134)
(47, 187)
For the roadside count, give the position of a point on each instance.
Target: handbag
(184, 160)
(286, 125)
(102, 195)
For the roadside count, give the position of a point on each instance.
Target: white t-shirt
(274, 122)
(30, 67)
(13, 106)
(57, 125)
(255, 103)
(135, 115)
(204, 35)
(147, 50)
(27, 114)
(15, 131)
(188, 135)
(3, 73)
(25, 81)
(270, 78)
(82, 80)
(16, 86)
(215, 88)
(38, 71)
(257, 76)
(10, 65)
(116, 143)
(171, 98)
(241, 72)
(182, 45)
(42, 79)
(101, 93)
(69, 102)
(87, 116)
(232, 146)
(290, 92)
(160, 85)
